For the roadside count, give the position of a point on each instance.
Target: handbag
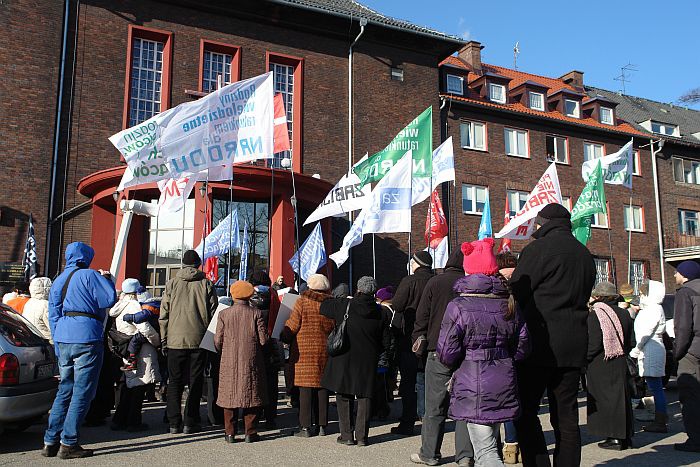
(337, 342)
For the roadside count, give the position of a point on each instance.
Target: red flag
(280, 135)
(505, 242)
(435, 224)
(211, 265)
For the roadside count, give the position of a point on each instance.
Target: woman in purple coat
(481, 337)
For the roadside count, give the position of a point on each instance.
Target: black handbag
(337, 342)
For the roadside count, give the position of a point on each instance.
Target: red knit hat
(479, 257)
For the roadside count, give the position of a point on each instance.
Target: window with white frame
(557, 148)
(638, 274)
(592, 151)
(686, 171)
(536, 101)
(664, 129)
(284, 84)
(145, 80)
(566, 202)
(634, 218)
(454, 84)
(688, 222)
(572, 108)
(516, 201)
(603, 269)
(497, 93)
(600, 219)
(516, 143)
(215, 64)
(606, 116)
(473, 135)
(636, 163)
(473, 198)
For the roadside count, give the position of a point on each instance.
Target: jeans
(485, 447)
(656, 387)
(79, 367)
(511, 435)
(437, 402)
(179, 362)
(408, 366)
(689, 396)
(420, 393)
(561, 385)
(344, 405)
(313, 404)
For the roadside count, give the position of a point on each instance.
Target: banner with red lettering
(547, 191)
(436, 223)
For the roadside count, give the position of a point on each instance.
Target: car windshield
(17, 331)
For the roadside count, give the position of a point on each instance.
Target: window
(603, 269)
(454, 84)
(516, 143)
(497, 93)
(145, 80)
(664, 129)
(600, 220)
(638, 274)
(571, 108)
(606, 116)
(473, 199)
(215, 64)
(169, 236)
(634, 218)
(473, 135)
(285, 74)
(537, 100)
(516, 201)
(688, 222)
(592, 151)
(557, 149)
(566, 202)
(686, 171)
(636, 163)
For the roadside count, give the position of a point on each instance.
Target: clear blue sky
(598, 37)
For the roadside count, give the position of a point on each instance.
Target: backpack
(118, 341)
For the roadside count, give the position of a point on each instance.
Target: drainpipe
(658, 206)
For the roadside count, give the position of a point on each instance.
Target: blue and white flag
(30, 262)
(485, 230)
(312, 253)
(243, 267)
(224, 237)
(443, 170)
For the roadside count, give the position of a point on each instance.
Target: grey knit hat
(604, 289)
(367, 285)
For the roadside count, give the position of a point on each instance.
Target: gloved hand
(128, 318)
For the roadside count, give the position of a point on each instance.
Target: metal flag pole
(374, 259)
(206, 220)
(230, 233)
(629, 241)
(269, 225)
(612, 260)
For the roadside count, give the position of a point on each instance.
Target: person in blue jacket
(77, 318)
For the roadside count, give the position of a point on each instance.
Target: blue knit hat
(689, 269)
(130, 286)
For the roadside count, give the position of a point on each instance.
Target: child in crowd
(150, 311)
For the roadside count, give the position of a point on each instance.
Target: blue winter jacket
(88, 292)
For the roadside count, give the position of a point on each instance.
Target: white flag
(174, 193)
(547, 191)
(443, 171)
(388, 209)
(440, 254)
(617, 167)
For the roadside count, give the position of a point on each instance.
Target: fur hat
(242, 290)
(552, 211)
(479, 257)
(191, 258)
(318, 282)
(604, 289)
(423, 258)
(131, 285)
(689, 269)
(367, 285)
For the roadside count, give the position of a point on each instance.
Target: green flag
(591, 201)
(417, 136)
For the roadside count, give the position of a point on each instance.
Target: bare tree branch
(691, 97)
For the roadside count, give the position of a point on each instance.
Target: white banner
(547, 191)
(232, 124)
(443, 167)
(346, 196)
(174, 193)
(617, 167)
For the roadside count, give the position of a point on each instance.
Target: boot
(659, 425)
(510, 453)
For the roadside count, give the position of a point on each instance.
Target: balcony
(679, 246)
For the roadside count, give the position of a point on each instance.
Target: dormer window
(606, 116)
(497, 93)
(454, 84)
(664, 129)
(572, 108)
(537, 101)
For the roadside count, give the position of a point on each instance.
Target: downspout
(658, 209)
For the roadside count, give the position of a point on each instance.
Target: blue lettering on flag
(394, 199)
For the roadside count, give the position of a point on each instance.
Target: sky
(661, 39)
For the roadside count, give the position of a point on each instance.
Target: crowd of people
(480, 343)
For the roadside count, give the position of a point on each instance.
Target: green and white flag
(591, 201)
(417, 137)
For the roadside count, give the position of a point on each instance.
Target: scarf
(612, 330)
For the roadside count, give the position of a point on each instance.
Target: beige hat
(318, 282)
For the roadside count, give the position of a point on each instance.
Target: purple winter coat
(476, 339)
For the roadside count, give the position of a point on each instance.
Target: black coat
(686, 320)
(406, 301)
(552, 284)
(608, 382)
(367, 333)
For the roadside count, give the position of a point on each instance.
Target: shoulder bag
(337, 342)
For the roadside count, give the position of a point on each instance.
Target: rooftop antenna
(625, 75)
(516, 52)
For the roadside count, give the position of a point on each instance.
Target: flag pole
(230, 233)
(269, 238)
(374, 259)
(629, 242)
(612, 260)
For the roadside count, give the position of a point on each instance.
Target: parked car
(669, 336)
(28, 372)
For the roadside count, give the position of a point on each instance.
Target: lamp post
(286, 163)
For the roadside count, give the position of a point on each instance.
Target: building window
(286, 74)
(636, 163)
(688, 222)
(169, 236)
(473, 135)
(603, 269)
(537, 101)
(215, 64)
(557, 149)
(516, 201)
(146, 79)
(516, 143)
(566, 202)
(686, 171)
(634, 218)
(600, 220)
(664, 129)
(473, 199)
(572, 108)
(497, 93)
(606, 116)
(454, 84)
(592, 151)
(638, 274)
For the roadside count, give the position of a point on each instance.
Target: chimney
(573, 78)
(471, 55)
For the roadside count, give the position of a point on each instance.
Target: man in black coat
(405, 303)
(426, 331)
(552, 285)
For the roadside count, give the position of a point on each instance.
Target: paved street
(279, 448)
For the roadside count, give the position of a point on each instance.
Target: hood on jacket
(366, 306)
(551, 226)
(315, 295)
(123, 303)
(480, 284)
(79, 252)
(39, 288)
(190, 274)
(455, 260)
(657, 292)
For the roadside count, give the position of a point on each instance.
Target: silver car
(28, 372)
